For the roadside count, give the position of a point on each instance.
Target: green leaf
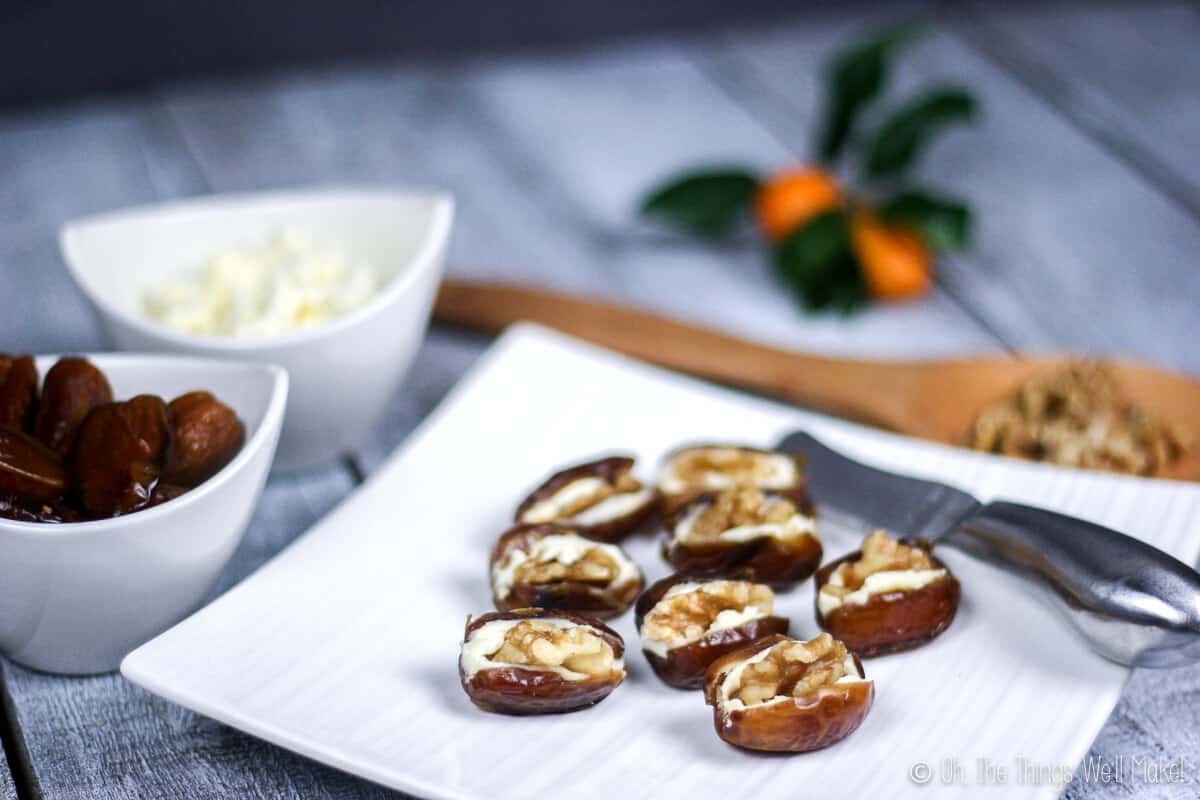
(854, 77)
(909, 130)
(818, 264)
(943, 222)
(709, 203)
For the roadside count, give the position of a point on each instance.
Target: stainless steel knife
(1133, 603)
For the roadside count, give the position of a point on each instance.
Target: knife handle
(1134, 603)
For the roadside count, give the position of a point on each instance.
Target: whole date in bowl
(343, 371)
(76, 597)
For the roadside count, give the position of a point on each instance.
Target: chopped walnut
(733, 508)
(1076, 416)
(688, 615)
(595, 566)
(537, 644)
(880, 553)
(792, 669)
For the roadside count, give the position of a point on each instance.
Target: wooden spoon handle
(875, 392)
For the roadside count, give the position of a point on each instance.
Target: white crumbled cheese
(489, 638)
(733, 680)
(288, 283)
(793, 528)
(897, 580)
(565, 548)
(776, 472)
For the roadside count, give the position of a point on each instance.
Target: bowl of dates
(125, 484)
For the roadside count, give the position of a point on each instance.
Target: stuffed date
(687, 622)
(601, 499)
(887, 597)
(784, 695)
(745, 532)
(697, 469)
(553, 567)
(534, 661)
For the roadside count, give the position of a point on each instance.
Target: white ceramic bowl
(75, 598)
(343, 372)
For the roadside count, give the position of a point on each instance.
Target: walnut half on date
(601, 499)
(783, 695)
(688, 622)
(533, 661)
(887, 597)
(697, 469)
(746, 533)
(552, 566)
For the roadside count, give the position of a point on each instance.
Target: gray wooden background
(1084, 173)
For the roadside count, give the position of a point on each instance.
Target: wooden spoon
(935, 400)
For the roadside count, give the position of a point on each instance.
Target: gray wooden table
(1084, 173)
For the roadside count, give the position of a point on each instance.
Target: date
(206, 435)
(553, 567)
(72, 388)
(784, 695)
(29, 470)
(534, 661)
(747, 533)
(18, 392)
(600, 499)
(697, 469)
(119, 455)
(887, 597)
(686, 622)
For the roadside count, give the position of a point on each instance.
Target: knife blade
(1132, 602)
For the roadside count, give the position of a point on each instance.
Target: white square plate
(344, 648)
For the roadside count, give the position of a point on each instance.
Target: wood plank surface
(1074, 249)
(8, 789)
(1126, 74)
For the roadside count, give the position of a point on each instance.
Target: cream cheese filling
(897, 580)
(582, 490)
(564, 548)
(489, 638)
(613, 507)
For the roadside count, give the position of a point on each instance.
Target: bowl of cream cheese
(334, 284)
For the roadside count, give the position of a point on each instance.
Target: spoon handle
(874, 392)
(1134, 603)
